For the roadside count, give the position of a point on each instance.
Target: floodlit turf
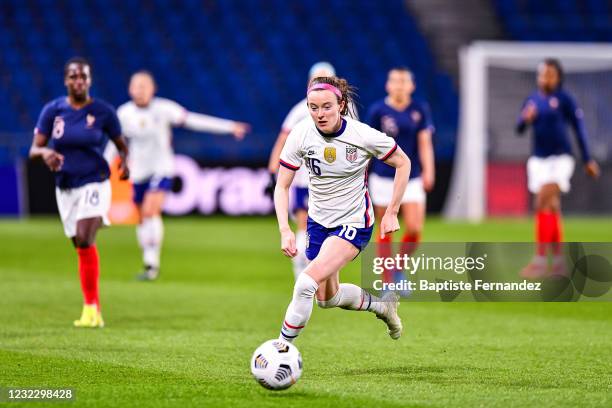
(186, 340)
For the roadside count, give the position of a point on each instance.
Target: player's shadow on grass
(404, 370)
(434, 374)
(288, 394)
(459, 374)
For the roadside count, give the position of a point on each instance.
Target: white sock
(352, 297)
(300, 262)
(300, 308)
(141, 234)
(540, 260)
(558, 260)
(150, 236)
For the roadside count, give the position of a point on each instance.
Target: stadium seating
(557, 20)
(243, 59)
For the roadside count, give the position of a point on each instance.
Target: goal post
(495, 77)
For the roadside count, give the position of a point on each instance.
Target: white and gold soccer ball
(276, 364)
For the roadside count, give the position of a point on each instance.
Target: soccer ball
(276, 364)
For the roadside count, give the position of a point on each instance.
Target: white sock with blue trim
(300, 308)
(352, 297)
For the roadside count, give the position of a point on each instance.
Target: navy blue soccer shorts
(300, 199)
(152, 184)
(316, 234)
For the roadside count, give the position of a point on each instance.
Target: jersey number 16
(312, 165)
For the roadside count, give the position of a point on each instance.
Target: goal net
(489, 175)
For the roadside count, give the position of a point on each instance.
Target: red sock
(89, 270)
(545, 230)
(557, 233)
(410, 242)
(388, 239)
(384, 249)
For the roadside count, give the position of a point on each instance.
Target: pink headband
(329, 87)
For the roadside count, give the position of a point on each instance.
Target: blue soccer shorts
(317, 234)
(152, 184)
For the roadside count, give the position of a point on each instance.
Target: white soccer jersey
(149, 133)
(337, 166)
(298, 113)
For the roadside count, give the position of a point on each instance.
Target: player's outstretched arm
(274, 160)
(52, 159)
(426, 155)
(281, 205)
(401, 162)
(575, 116)
(122, 149)
(211, 124)
(276, 151)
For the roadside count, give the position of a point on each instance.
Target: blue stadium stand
(232, 58)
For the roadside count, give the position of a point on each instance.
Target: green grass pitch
(186, 340)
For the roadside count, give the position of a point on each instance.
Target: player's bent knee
(151, 211)
(315, 271)
(147, 214)
(414, 229)
(82, 241)
(305, 286)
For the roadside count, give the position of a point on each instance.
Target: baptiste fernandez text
(450, 285)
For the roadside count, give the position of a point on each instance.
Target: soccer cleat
(90, 317)
(536, 269)
(150, 273)
(559, 269)
(390, 316)
(400, 277)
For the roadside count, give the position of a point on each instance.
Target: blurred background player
(548, 111)
(299, 193)
(70, 137)
(147, 123)
(409, 123)
(336, 150)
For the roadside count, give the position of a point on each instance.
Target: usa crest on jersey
(351, 154)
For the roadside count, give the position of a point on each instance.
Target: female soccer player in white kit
(336, 150)
(300, 182)
(147, 122)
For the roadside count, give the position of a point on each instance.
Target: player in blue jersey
(409, 123)
(549, 111)
(70, 137)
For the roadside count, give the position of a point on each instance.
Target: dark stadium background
(248, 60)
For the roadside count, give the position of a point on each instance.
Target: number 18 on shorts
(88, 201)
